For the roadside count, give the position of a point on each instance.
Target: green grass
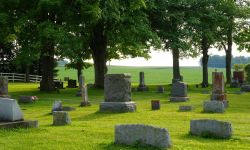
(92, 130)
(153, 75)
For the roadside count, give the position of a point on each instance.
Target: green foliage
(247, 70)
(239, 67)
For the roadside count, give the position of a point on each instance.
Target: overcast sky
(165, 59)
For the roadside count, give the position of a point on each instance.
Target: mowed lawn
(153, 75)
(92, 130)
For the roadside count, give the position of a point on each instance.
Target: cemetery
(124, 74)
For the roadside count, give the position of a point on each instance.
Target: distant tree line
(217, 61)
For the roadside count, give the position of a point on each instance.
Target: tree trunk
(79, 71)
(229, 53)
(27, 73)
(176, 66)
(205, 58)
(47, 58)
(99, 50)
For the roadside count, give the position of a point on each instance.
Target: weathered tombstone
(72, 84)
(239, 76)
(211, 128)
(58, 84)
(218, 92)
(160, 89)
(10, 110)
(142, 86)
(117, 94)
(3, 86)
(11, 115)
(144, 134)
(245, 88)
(27, 99)
(185, 108)
(155, 104)
(83, 92)
(61, 118)
(179, 92)
(57, 106)
(213, 107)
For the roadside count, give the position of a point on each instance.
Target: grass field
(92, 130)
(153, 75)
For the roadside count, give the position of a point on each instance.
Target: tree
(206, 25)
(169, 19)
(122, 30)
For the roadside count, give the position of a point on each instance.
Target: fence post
(13, 77)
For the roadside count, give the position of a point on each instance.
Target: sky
(159, 58)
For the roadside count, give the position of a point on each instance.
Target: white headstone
(10, 110)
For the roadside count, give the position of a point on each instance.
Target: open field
(153, 75)
(92, 130)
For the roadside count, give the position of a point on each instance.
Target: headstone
(155, 104)
(239, 76)
(58, 84)
(19, 124)
(213, 107)
(61, 118)
(142, 86)
(3, 86)
(27, 99)
(72, 84)
(245, 88)
(185, 108)
(179, 92)
(83, 92)
(160, 89)
(211, 128)
(117, 93)
(218, 92)
(10, 110)
(57, 106)
(132, 134)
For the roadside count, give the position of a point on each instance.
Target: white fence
(16, 77)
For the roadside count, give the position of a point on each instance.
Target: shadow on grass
(205, 137)
(96, 115)
(113, 146)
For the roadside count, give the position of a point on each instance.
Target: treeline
(42, 31)
(217, 61)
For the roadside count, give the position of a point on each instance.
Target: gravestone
(213, 107)
(218, 92)
(61, 118)
(239, 76)
(179, 92)
(27, 99)
(185, 108)
(132, 134)
(11, 115)
(10, 110)
(155, 104)
(160, 89)
(3, 86)
(72, 84)
(58, 84)
(211, 128)
(142, 86)
(117, 94)
(57, 106)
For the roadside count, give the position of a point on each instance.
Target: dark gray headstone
(179, 89)
(142, 86)
(213, 107)
(117, 88)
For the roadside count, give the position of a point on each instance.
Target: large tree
(122, 30)
(169, 19)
